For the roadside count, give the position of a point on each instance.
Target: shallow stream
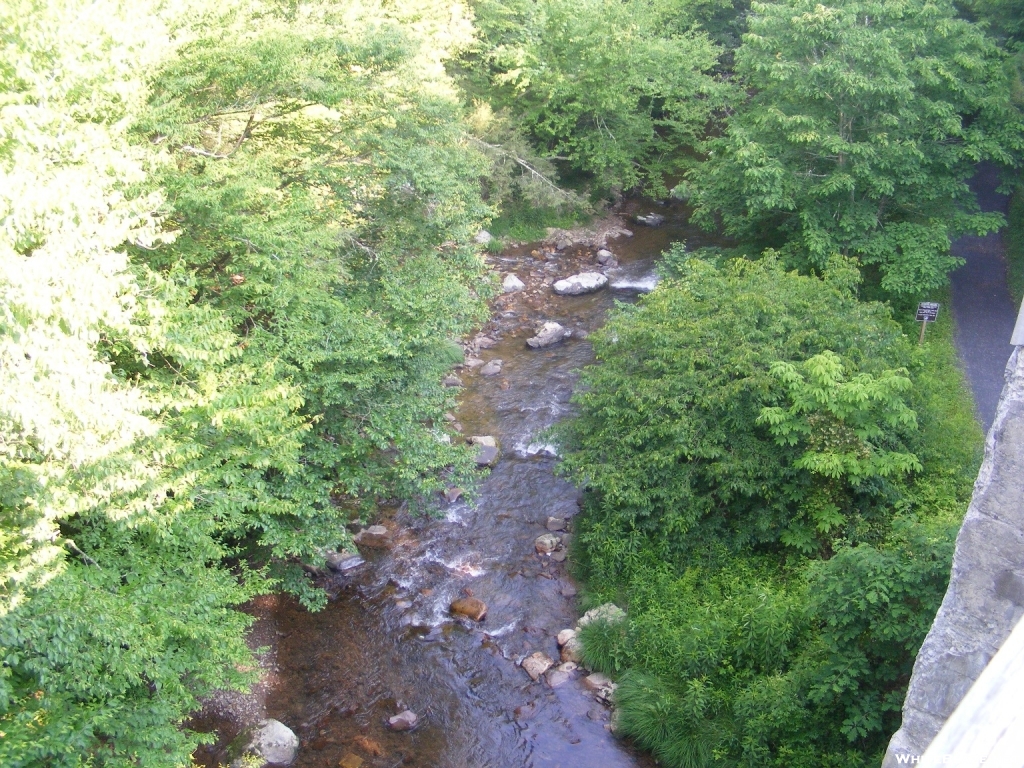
(386, 641)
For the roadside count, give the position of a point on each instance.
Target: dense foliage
(761, 494)
(235, 254)
(608, 87)
(864, 122)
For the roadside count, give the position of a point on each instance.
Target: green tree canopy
(234, 252)
(670, 440)
(611, 88)
(864, 122)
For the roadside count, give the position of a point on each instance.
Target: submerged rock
(650, 219)
(557, 677)
(471, 607)
(556, 524)
(549, 333)
(403, 721)
(492, 368)
(536, 664)
(512, 284)
(269, 741)
(577, 285)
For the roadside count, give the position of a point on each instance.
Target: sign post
(927, 311)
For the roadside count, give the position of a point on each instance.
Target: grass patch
(522, 222)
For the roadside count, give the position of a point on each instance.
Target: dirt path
(982, 307)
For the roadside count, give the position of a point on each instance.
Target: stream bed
(387, 642)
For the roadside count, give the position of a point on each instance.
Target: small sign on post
(927, 311)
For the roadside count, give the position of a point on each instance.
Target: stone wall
(985, 598)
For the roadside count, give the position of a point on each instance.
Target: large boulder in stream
(374, 537)
(512, 284)
(471, 607)
(487, 451)
(577, 285)
(549, 333)
(536, 664)
(270, 742)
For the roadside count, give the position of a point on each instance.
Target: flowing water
(386, 641)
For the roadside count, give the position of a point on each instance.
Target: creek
(386, 641)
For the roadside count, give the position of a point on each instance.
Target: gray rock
(472, 363)
(451, 495)
(487, 440)
(549, 333)
(547, 543)
(650, 220)
(565, 636)
(375, 537)
(471, 607)
(451, 380)
(577, 285)
(569, 590)
(403, 721)
(556, 524)
(512, 284)
(557, 677)
(606, 258)
(487, 456)
(483, 237)
(536, 664)
(484, 342)
(608, 612)
(985, 598)
(572, 650)
(559, 555)
(493, 368)
(269, 741)
(343, 561)
(562, 244)
(601, 686)
(597, 682)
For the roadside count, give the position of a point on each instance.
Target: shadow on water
(386, 642)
